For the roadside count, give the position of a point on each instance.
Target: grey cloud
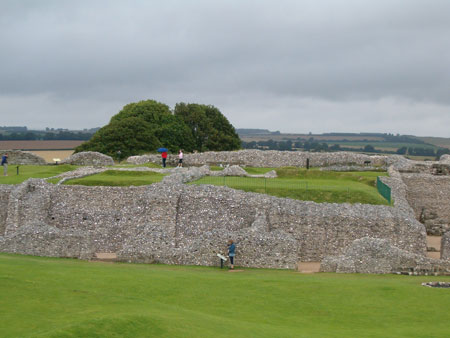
(274, 52)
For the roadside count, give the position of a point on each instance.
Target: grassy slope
(118, 178)
(43, 297)
(33, 171)
(437, 141)
(311, 185)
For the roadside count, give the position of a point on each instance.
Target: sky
(294, 66)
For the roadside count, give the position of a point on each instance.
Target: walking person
(231, 252)
(180, 158)
(164, 158)
(5, 164)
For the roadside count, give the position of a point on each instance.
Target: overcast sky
(294, 66)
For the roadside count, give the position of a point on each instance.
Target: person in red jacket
(164, 158)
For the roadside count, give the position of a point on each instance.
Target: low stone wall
(89, 158)
(188, 224)
(271, 158)
(22, 157)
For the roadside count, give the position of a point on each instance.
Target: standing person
(5, 164)
(180, 158)
(164, 158)
(231, 252)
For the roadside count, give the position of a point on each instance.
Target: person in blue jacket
(5, 164)
(231, 252)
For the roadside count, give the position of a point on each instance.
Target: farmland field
(49, 155)
(51, 297)
(40, 145)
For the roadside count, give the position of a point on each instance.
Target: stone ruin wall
(445, 246)
(180, 224)
(269, 158)
(188, 224)
(22, 157)
(429, 197)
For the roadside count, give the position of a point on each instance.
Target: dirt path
(308, 267)
(434, 247)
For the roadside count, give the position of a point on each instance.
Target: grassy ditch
(50, 297)
(118, 178)
(309, 185)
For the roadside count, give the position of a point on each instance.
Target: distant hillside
(382, 143)
(256, 132)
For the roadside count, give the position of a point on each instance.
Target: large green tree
(211, 130)
(132, 136)
(144, 126)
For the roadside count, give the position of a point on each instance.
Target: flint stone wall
(22, 157)
(375, 255)
(270, 158)
(89, 158)
(445, 246)
(429, 197)
(188, 224)
(445, 159)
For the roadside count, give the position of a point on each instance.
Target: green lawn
(33, 171)
(118, 178)
(312, 185)
(127, 165)
(50, 297)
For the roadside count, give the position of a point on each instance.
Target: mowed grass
(33, 171)
(127, 165)
(118, 178)
(309, 185)
(50, 297)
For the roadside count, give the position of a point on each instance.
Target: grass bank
(49, 297)
(118, 178)
(310, 185)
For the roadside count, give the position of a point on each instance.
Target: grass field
(50, 297)
(311, 185)
(33, 171)
(118, 178)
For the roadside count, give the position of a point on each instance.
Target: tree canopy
(210, 128)
(144, 126)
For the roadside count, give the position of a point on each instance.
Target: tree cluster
(314, 146)
(419, 151)
(36, 135)
(144, 126)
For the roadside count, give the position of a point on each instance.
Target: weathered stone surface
(89, 158)
(440, 169)
(40, 239)
(174, 223)
(445, 159)
(22, 157)
(429, 197)
(271, 158)
(375, 255)
(5, 191)
(187, 224)
(445, 246)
